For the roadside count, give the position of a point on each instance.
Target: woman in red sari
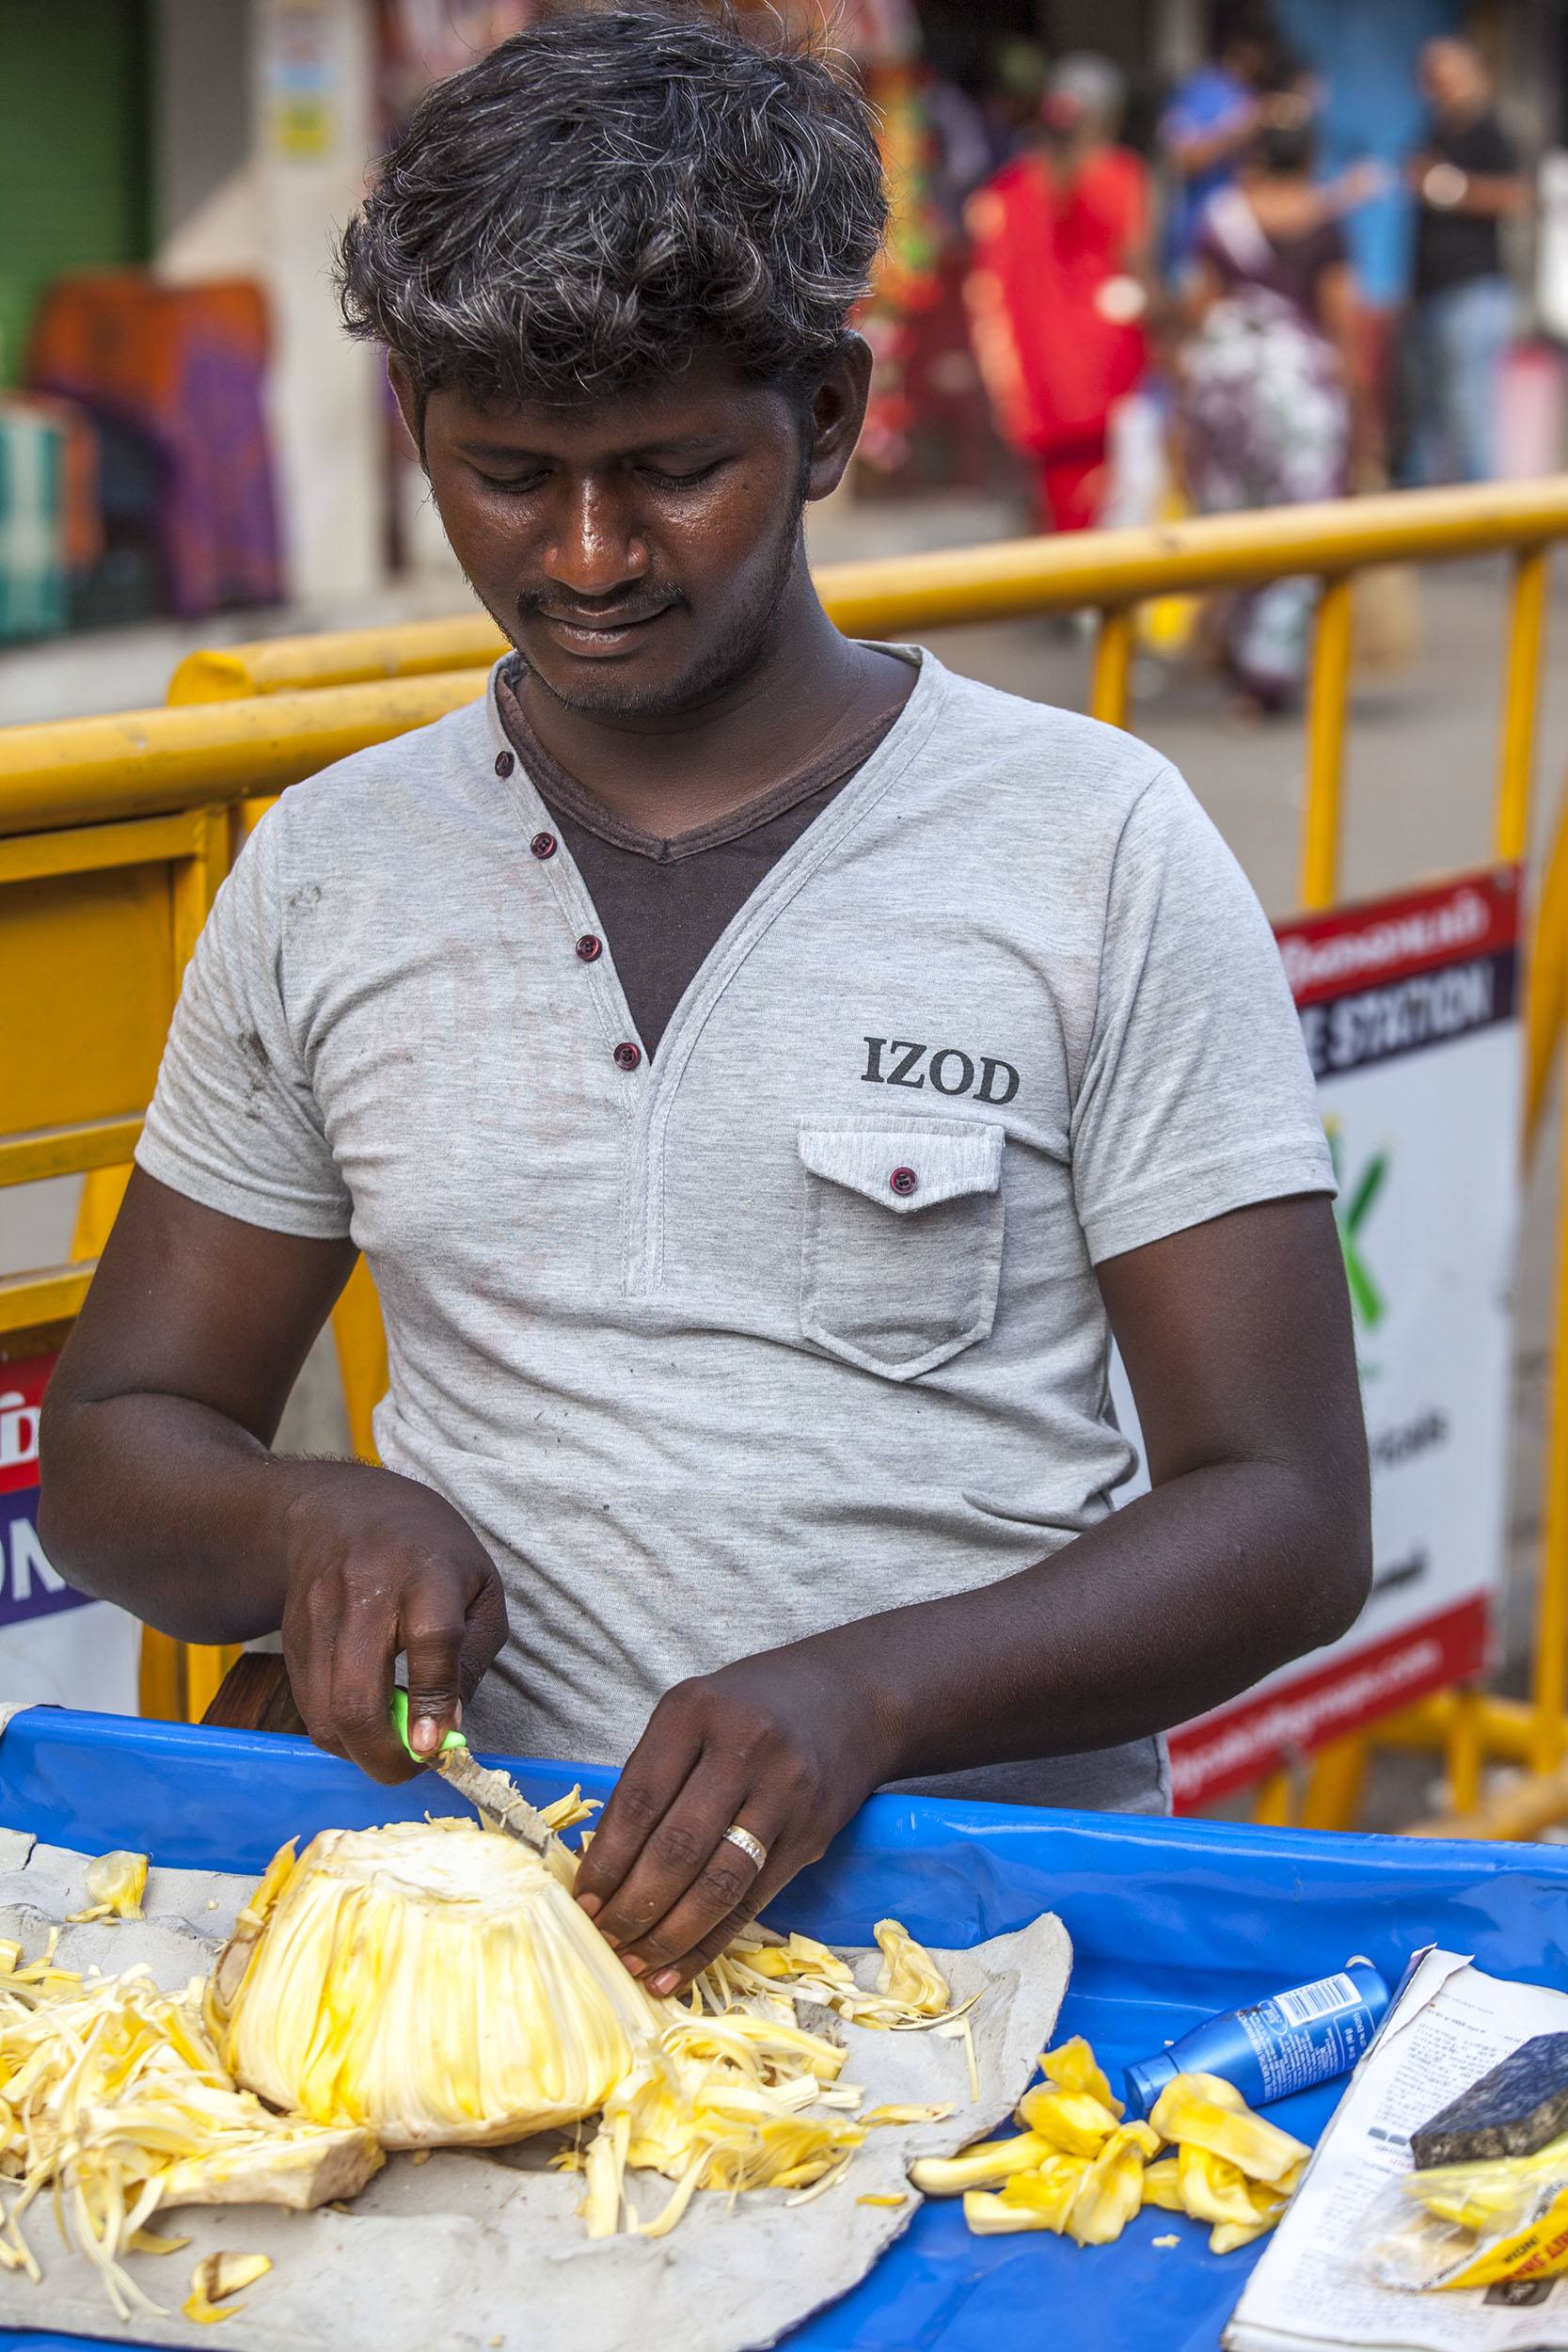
(1058, 290)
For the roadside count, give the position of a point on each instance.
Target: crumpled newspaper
(482, 2251)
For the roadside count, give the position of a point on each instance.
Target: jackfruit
(1053, 2190)
(216, 2278)
(1075, 2169)
(1110, 2190)
(1187, 2112)
(1162, 2185)
(429, 1982)
(1074, 2121)
(987, 2162)
(438, 1984)
(116, 2104)
(1213, 2189)
(1225, 2236)
(909, 1974)
(426, 1983)
(116, 1885)
(1073, 2066)
(910, 1995)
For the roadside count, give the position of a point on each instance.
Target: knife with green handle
(490, 1792)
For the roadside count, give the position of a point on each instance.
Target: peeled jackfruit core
(430, 1981)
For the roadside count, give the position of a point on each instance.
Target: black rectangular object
(1513, 2110)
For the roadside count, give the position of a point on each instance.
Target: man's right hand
(376, 1565)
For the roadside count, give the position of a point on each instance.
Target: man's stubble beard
(726, 664)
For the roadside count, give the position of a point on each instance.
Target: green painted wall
(73, 149)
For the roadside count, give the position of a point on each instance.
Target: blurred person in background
(1465, 180)
(1211, 119)
(1271, 389)
(1059, 291)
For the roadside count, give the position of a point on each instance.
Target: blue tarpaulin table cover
(1170, 1921)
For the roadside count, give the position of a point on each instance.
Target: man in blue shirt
(1211, 116)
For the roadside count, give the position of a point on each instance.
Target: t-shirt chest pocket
(902, 1249)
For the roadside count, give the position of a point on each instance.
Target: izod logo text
(894, 1061)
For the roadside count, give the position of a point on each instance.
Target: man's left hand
(786, 1746)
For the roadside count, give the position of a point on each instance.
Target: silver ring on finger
(752, 1847)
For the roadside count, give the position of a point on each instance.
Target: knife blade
(488, 1791)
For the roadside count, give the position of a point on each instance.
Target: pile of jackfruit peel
(350, 1998)
(1077, 2168)
(114, 2103)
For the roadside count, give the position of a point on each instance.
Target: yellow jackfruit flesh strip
(1071, 2120)
(216, 2278)
(909, 1974)
(567, 1811)
(196, 2308)
(1162, 2185)
(937, 2113)
(912, 1994)
(1052, 2191)
(150, 2242)
(1185, 2114)
(1213, 2189)
(994, 2217)
(1225, 2236)
(1073, 2066)
(116, 1885)
(1112, 2188)
(705, 2112)
(980, 2167)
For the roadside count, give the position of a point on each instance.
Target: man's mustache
(606, 613)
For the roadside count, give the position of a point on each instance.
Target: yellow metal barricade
(96, 923)
(1113, 571)
(114, 835)
(250, 718)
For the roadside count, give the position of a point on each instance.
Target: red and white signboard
(56, 1646)
(1409, 1008)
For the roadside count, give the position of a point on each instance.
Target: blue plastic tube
(1289, 2042)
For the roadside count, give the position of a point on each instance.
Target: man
(1465, 182)
(756, 1065)
(1212, 118)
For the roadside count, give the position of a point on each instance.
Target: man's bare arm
(159, 1492)
(1486, 195)
(1253, 1547)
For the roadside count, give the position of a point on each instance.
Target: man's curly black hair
(606, 193)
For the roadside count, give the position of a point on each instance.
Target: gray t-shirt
(799, 1321)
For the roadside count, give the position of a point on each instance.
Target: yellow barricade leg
(1276, 1804)
(1549, 1692)
(361, 1341)
(1334, 1786)
(175, 1681)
